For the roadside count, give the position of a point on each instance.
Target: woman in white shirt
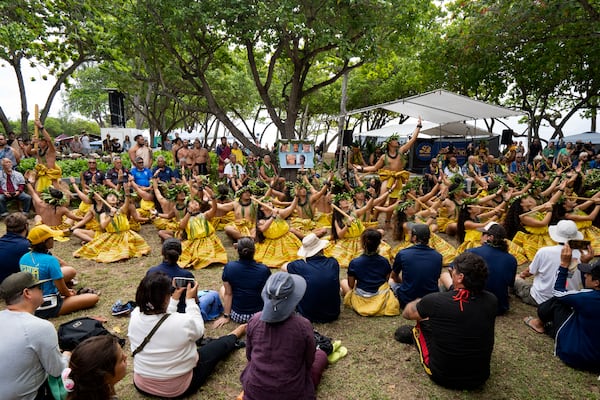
(170, 364)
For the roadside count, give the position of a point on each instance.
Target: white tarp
(456, 129)
(442, 107)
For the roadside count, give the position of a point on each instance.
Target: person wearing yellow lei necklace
(118, 242)
(201, 247)
(276, 245)
(48, 172)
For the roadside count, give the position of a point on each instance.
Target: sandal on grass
(336, 355)
(85, 290)
(529, 322)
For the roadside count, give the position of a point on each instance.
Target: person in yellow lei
(405, 216)
(346, 228)
(48, 172)
(173, 205)
(118, 242)
(201, 245)
(367, 290)
(526, 223)
(276, 245)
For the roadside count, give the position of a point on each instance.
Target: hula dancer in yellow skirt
(244, 211)
(222, 218)
(303, 221)
(405, 216)
(528, 228)
(118, 242)
(276, 245)
(585, 221)
(346, 228)
(201, 247)
(174, 207)
(48, 172)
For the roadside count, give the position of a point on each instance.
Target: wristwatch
(226, 315)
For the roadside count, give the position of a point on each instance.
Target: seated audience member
(170, 364)
(545, 265)
(171, 250)
(321, 302)
(502, 266)
(571, 316)
(29, 344)
(455, 330)
(283, 361)
(416, 269)
(162, 171)
(96, 365)
(12, 187)
(367, 290)
(39, 262)
(13, 244)
(243, 281)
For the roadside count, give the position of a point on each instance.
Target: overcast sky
(38, 91)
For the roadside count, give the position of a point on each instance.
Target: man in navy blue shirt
(163, 171)
(321, 301)
(502, 266)
(13, 244)
(416, 269)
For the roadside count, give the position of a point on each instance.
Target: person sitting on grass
(571, 316)
(294, 370)
(243, 281)
(455, 330)
(170, 364)
(96, 365)
(367, 290)
(42, 264)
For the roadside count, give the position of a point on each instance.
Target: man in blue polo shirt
(502, 266)
(141, 175)
(416, 269)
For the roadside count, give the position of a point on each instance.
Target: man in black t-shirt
(455, 329)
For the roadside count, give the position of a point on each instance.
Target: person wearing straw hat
(283, 361)
(545, 265)
(29, 344)
(321, 302)
(42, 264)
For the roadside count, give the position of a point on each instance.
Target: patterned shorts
(240, 318)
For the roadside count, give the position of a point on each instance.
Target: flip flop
(527, 321)
(336, 355)
(336, 345)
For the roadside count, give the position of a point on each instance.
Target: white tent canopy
(442, 107)
(429, 129)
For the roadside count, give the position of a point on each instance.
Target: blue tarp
(586, 137)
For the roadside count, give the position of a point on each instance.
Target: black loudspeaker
(347, 138)
(507, 136)
(116, 104)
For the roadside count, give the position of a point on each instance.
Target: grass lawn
(377, 367)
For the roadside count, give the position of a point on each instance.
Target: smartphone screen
(183, 282)
(579, 244)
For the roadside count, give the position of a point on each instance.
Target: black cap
(593, 269)
(172, 244)
(421, 231)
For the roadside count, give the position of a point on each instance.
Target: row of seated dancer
(107, 220)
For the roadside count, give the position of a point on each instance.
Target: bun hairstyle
(171, 250)
(246, 248)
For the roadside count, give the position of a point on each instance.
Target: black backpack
(71, 333)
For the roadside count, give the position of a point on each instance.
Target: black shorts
(202, 170)
(50, 312)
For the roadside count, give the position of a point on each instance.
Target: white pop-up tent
(442, 107)
(429, 130)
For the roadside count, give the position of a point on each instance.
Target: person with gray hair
(117, 175)
(242, 282)
(12, 187)
(162, 171)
